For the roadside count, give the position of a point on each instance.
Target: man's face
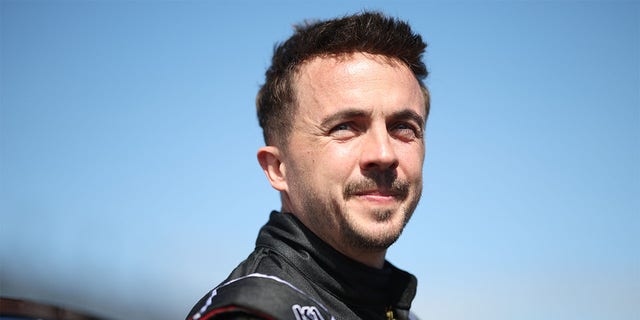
(353, 163)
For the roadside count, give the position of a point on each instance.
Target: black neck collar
(352, 282)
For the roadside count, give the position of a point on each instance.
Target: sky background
(129, 185)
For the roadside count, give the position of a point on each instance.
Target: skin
(352, 167)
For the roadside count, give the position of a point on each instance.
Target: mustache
(384, 182)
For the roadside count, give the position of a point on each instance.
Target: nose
(378, 152)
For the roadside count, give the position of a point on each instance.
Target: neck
(371, 259)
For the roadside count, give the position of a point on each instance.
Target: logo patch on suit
(306, 312)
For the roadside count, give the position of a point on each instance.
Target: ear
(270, 160)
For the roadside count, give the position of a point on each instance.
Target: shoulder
(258, 296)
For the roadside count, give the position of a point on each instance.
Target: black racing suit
(292, 274)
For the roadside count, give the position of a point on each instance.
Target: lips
(368, 189)
(378, 193)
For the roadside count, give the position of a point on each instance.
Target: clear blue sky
(129, 185)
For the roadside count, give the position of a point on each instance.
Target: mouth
(375, 197)
(396, 192)
(376, 193)
(380, 189)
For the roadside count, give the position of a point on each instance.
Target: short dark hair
(367, 32)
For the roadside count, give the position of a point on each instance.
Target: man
(343, 112)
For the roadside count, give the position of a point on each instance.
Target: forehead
(326, 84)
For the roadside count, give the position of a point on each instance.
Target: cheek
(336, 163)
(342, 151)
(335, 154)
(412, 160)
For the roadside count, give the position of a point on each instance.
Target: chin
(375, 235)
(375, 242)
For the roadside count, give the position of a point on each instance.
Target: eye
(340, 127)
(343, 131)
(406, 131)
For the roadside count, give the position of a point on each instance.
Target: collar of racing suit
(350, 281)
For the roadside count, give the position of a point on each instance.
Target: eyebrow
(410, 114)
(343, 115)
(357, 113)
